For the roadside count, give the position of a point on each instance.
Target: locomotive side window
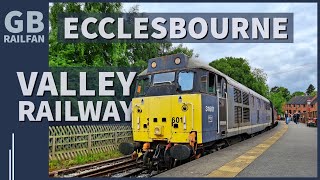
(212, 87)
(185, 80)
(143, 85)
(221, 86)
(204, 84)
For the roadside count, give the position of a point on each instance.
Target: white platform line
(10, 165)
(12, 156)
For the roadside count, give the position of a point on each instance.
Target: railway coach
(183, 107)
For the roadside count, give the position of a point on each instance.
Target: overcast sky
(293, 65)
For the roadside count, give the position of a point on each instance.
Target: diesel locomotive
(183, 107)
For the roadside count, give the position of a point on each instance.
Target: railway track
(102, 168)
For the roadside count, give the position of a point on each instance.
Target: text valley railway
(69, 102)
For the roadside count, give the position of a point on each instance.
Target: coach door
(222, 96)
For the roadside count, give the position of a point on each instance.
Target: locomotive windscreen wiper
(170, 82)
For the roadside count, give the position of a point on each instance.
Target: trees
(240, 70)
(278, 101)
(279, 96)
(102, 54)
(284, 92)
(297, 93)
(310, 89)
(83, 54)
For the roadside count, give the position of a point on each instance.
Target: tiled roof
(299, 100)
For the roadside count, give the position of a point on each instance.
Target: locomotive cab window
(185, 80)
(163, 78)
(143, 85)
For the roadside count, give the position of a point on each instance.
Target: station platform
(284, 151)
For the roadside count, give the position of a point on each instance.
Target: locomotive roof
(193, 63)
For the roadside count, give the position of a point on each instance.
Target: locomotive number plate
(176, 120)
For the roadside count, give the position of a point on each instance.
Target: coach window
(212, 87)
(186, 80)
(204, 83)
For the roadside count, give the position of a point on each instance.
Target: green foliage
(297, 93)
(181, 49)
(314, 93)
(279, 96)
(277, 100)
(240, 70)
(284, 92)
(310, 89)
(82, 159)
(102, 54)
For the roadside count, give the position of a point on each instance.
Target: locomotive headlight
(153, 64)
(177, 61)
(158, 130)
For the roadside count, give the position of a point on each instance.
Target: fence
(66, 142)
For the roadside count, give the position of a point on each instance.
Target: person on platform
(286, 117)
(298, 117)
(289, 118)
(295, 117)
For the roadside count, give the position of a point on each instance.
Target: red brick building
(300, 104)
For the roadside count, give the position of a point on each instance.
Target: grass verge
(80, 159)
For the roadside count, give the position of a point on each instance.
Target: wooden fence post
(116, 137)
(53, 147)
(89, 142)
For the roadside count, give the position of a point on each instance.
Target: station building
(307, 106)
